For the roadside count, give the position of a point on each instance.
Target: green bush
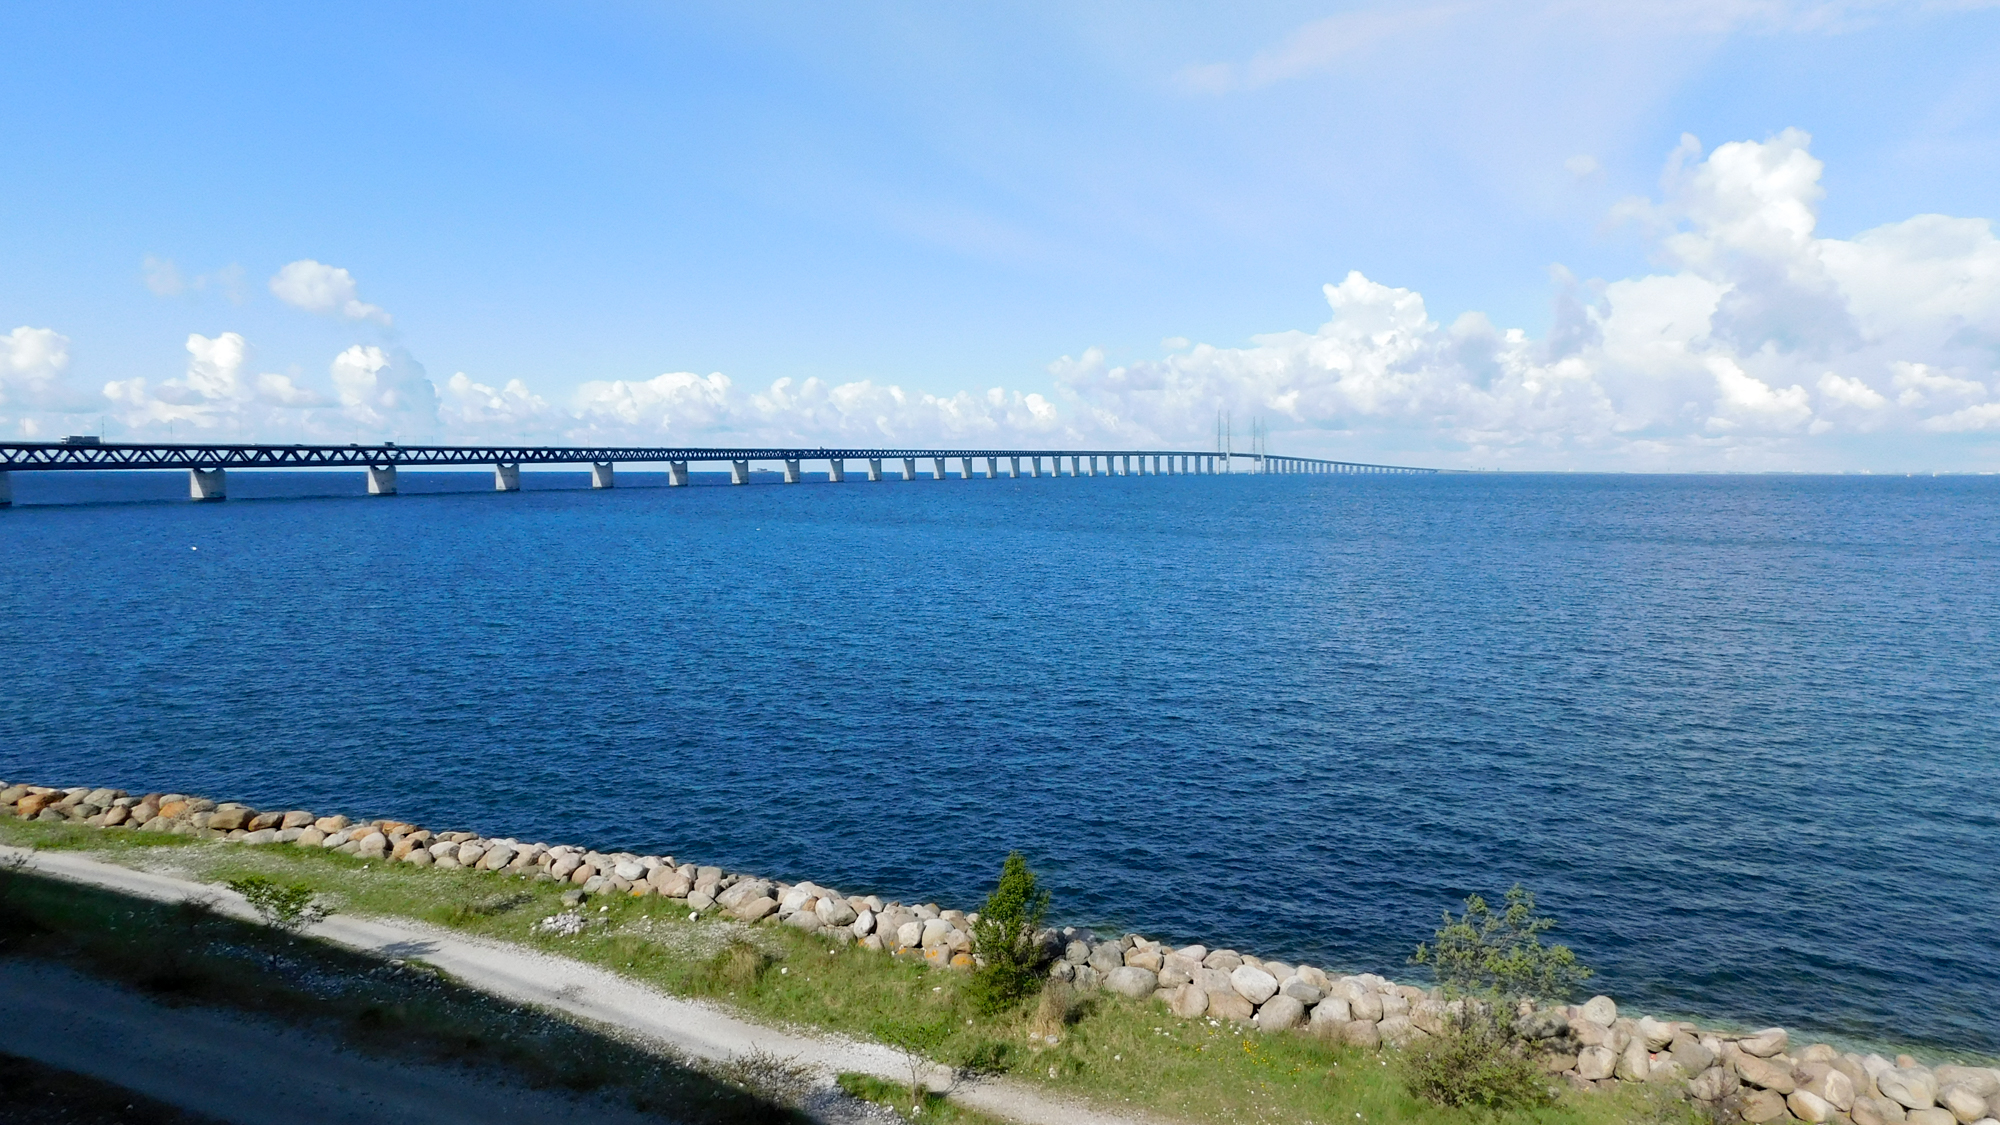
(1500, 957)
(1003, 940)
(1474, 1064)
(289, 908)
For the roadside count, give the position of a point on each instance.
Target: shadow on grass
(186, 953)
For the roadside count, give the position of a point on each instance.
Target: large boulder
(1229, 1005)
(834, 913)
(1601, 1009)
(1765, 1043)
(1912, 1087)
(1328, 1017)
(1362, 1033)
(1107, 956)
(1300, 989)
(1809, 1107)
(1132, 981)
(1762, 1106)
(1189, 1002)
(743, 892)
(1253, 984)
(1965, 1105)
(755, 909)
(1765, 1074)
(1280, 1013)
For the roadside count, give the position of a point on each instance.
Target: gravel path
(691, 1028)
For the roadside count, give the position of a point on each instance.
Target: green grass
(937, 1109)
(1109, 1051)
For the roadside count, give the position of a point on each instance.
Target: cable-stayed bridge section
(207, 464)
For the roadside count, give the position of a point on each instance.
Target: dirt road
(557, 984)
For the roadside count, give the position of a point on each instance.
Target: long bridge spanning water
(207, 464)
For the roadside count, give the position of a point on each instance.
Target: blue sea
(1741, 735)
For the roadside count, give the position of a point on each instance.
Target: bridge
(207, 464)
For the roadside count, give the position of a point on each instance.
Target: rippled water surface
(1739, 733)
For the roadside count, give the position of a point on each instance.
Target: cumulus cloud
(1707, 362)
(319, 288)
(384, 390)
(1755, 338)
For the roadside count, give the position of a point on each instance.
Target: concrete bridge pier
(677, 474)
(6, 490)
(836, 470)
(965, 468)
(874, 468)
(1013, 468)
(381, 480)
(203, 484)
(1035, 466)
(739, 472)
(507, 477)
(600, 474)
(937, 468)
(992, 467)
(791, 471)
(909, 468)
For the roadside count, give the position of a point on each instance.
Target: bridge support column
(1013, 468)
(203, 484)
(909, 468)
(6, 490)
(836, 470)
(965, 468)
(677, 474)
(874, 468)
(791, 471)
(381, 480)
(992, 467)
(739, 472)
(600, 474)
(1035, 466)
(507, 477)
(937, 468)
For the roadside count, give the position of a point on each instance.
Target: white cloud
(471, 407)
(384, 389)
(1582, 166)
(1755, 337)
(1850, 392)
(320, 288)
(33, 362)
(163, 277)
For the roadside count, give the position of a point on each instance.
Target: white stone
(1765, 1043)
(1253, 984)
(1601, 1009)
(1132, 981)
(1596, 1063)
(1915, 1088)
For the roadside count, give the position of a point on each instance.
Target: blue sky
(1029, 225)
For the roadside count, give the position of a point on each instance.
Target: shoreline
(1754, 1076)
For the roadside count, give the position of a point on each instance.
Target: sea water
(1741, 735)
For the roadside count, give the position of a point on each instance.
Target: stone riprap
(1749, 1077)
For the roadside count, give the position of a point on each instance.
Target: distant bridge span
(207, 463)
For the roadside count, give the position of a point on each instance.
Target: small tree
(1487, 962)
(1500, 957)
(1003, 939)
(292, 908)
(917, 1041)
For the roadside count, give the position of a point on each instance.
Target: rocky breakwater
(1746, 1077)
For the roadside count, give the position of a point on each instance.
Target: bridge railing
(207, 462)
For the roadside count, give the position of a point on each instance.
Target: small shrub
(918, 1041)
(292, 908)
(1058, 1007)
(1501, 957)
(737, 966)
(1474, 1064)
(1003, 940)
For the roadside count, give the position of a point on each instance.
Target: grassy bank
(1116, 1053)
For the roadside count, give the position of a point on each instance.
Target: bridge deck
(45, 456)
